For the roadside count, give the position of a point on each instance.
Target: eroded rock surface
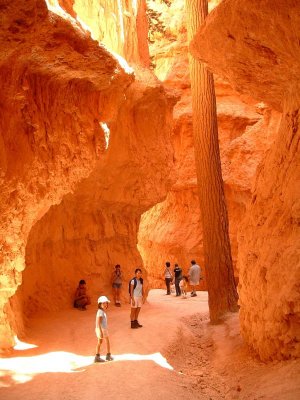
(172, 229)
(256, 48)
(57, 86)
(122, 26)
(96, 227)
(60, 88)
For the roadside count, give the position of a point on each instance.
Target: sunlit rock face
(121, 25)
(172, 229)
(57, 85)
(95, 228)
(256, 47)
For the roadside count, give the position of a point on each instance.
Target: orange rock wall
(264, 62)
(136, 202)
(57, 86)
(172, 229)
(120, 25)
(96, 227)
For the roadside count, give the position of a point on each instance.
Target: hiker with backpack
(136, 291)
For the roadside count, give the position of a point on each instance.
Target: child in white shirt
(101, 329)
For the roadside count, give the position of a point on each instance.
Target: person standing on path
(117, 284)
(194, 276)
(168, 277)
(178, 275)
(101, 329)
(183, 286)
(136, 291)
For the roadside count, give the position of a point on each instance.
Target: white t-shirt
(168, 273)
(138, 291)
(194, 273)
(101, 313)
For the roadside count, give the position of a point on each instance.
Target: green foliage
(157, 28)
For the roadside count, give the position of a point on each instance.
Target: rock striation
(122, 26)
(256, 47)
(57, 86)
(96, 227)
(172, 229)
(95, 170)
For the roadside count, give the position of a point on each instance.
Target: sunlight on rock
(123, 63)
(156, 357)
(23, 369)
(106, 133)
(54, 6)
(86, 27)
(22, 345)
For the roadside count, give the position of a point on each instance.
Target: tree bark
(222, 293)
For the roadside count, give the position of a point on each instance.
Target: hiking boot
(109, 357)
(133, 325)
(98, 358)
(137, 324)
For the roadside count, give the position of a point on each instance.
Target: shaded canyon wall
(48, 142)
(96, 227)
(263, 44)
(172, 229)
(147, 172)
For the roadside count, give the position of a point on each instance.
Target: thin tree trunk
(217, 252)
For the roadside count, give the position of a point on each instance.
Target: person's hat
(103, 299)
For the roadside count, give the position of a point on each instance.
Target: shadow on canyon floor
(177, 353)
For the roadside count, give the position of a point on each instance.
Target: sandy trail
(177, 354)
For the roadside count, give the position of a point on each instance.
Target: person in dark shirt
(81, 298)
(178, 276)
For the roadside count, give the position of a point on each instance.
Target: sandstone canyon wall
(108, 141)
(120, 25)
(96, 227)
(256, 47)
(57, 86)
(172, 229)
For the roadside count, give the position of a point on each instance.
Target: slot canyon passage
(97, 168)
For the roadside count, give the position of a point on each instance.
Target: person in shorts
(117, 284)
(194, 276)
(81, 298)
(136, 291)
(101, 329)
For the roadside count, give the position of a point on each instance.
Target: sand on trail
(176, 355)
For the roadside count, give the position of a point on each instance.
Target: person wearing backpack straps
(168, 277)
(136, 291)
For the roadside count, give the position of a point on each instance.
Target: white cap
(103, 299)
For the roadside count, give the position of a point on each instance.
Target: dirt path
(176, 355)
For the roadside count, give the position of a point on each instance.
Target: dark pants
(178, 291)
(168, 283)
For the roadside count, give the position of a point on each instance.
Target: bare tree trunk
(217, 252)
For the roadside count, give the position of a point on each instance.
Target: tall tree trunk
(222, 292)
